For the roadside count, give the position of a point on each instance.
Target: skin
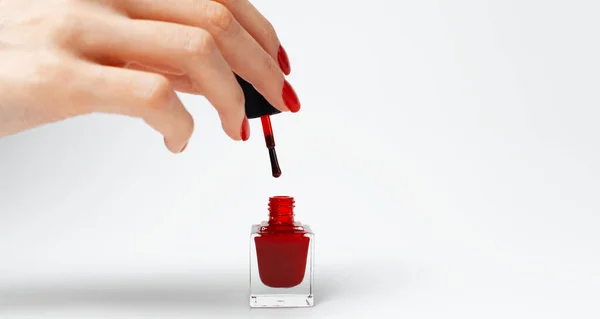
(65, 58)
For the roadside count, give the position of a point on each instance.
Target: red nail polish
(183, 148)
(284, 61)
(290, 98)
(245, 129)
(281, 259)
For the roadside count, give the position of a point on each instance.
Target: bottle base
(281, 301)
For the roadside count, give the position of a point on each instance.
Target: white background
(446, 156)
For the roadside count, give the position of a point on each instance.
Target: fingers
(243, 53)
(260, 29)
(177, 47)
(144, 95)
(181, 83)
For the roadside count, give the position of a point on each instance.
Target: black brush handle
(256, 104)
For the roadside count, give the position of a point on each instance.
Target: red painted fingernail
(284, 61)
(245, 129)
(290, 98)
(183, 148)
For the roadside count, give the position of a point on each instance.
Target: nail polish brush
(270, 141)
(257, 106)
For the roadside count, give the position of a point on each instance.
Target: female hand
(63, 58)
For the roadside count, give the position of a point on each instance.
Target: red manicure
(290, 98)
(245, 129)
(284, 61)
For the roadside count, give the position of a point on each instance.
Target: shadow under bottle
(281, 259)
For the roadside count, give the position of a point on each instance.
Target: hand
(63, 58)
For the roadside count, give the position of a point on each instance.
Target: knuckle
(54, 78)
(66, 25)
(271, 66)
(270, 70)
(219, 17)
(51, 68)
(199, 43)
(269, 33)
(157, 92)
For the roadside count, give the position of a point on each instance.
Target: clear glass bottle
(281, 259)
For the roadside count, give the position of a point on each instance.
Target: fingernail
(183, 148)
(284, 61)
(245, 129)
(290, 98)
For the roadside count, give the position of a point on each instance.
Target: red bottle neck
(281, 210)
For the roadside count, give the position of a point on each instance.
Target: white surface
(446, 156)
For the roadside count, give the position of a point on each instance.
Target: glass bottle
(281, 259)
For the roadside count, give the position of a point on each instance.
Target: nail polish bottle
(281, 259)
